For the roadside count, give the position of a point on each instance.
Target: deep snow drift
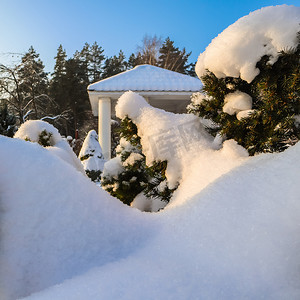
(231, 231)
(55, 223)
(237, 239)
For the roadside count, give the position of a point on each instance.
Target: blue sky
(115, 24)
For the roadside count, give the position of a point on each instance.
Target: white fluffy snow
(56, 223)
(143, 203)
(236, 239)
(113, 167)
(231, 231)
(244, 114)
(164, 135)
(30, 130)
(236, 102)
(239, 47)
(132, 158)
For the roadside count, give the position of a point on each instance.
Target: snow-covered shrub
(91, 156)
(127, 175)
(161, 141)
(251, 77)
(124, 176)
(37, 131)
(45, 134)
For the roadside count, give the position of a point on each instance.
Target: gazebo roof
(148, 78)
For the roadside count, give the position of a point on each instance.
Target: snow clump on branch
(239, 47)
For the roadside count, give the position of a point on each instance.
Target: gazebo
(162, 88)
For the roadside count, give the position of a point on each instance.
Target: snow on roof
(148, 78)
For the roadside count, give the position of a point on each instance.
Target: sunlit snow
(236, 50)
(230, 231)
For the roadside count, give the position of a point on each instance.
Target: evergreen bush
(134, 176)
(272, 123)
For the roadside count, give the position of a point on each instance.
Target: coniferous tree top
(172, 58)
(162, 54)
(114, 65)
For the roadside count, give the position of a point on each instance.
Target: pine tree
(114, 65)
(24, 87)
(172, 58)
(33, 82)
(7, 121)
(132, 177)
(134, 60)
(58, 82)
(76, 94)
(45, 138)
(271, 124)
(60, 94)
(95, 63)
(91, 58)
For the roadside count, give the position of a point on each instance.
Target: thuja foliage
(273, 124)
(94, 175)
(44, 138)
(132, 178)
(135, 176)
(157, 184)
(91, 156)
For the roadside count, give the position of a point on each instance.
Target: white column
(104, 131)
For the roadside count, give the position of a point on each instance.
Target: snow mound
(237, 239)
(31, 130)
(239, 47)
(201, 170)
(55, 223)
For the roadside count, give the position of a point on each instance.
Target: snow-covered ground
(237, 238)
(231, 230)
(56, 223)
